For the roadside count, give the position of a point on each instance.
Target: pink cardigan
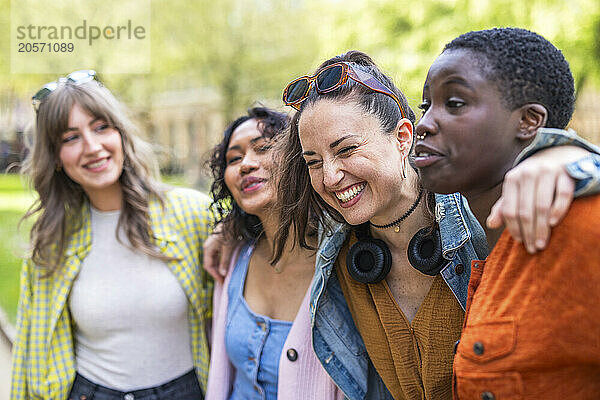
(303, 379)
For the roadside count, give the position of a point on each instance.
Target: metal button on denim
(129, 396)
(478, 348)
(488, 396)
(262, 325)
(459, 269)
(292, 354)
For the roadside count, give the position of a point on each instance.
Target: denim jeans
(186, 387)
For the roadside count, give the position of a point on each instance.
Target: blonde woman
(113, 300)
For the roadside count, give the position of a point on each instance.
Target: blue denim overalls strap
(254, 342)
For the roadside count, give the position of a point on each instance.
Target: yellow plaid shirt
(43, 352)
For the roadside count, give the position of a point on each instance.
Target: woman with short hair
(532, 322)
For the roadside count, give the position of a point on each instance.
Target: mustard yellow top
(414, 360)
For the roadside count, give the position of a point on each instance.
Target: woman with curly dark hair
(261, 327)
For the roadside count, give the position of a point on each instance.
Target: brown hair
(296, 196)
(61, 199)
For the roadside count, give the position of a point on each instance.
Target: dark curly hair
(235, 222)
(525, 67)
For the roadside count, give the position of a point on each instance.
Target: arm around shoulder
(585, 171)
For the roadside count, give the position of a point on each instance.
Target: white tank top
(130, 314)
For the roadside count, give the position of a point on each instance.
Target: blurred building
(15, 120)
(184, 126)
(181, 125)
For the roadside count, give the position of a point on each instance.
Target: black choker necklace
(396, 223)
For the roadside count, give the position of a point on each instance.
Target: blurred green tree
(405, 37)
(247, 50)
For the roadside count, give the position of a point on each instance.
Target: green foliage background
(247, 51)
(14, 200)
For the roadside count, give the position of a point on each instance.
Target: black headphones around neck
(370, 260)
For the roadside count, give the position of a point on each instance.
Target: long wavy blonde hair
(61, 200)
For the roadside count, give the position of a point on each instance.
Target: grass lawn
(14, 201)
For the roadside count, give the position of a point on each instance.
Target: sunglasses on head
(76, 77)
(330, 78)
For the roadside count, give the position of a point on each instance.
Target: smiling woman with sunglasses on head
(113, 299)
(389, 291)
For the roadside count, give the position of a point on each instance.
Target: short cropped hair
(525, 67)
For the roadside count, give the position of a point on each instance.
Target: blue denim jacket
(336, 340)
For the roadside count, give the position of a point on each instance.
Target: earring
(58, 167)
(404, 167)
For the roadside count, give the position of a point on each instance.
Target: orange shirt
(532, 326)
